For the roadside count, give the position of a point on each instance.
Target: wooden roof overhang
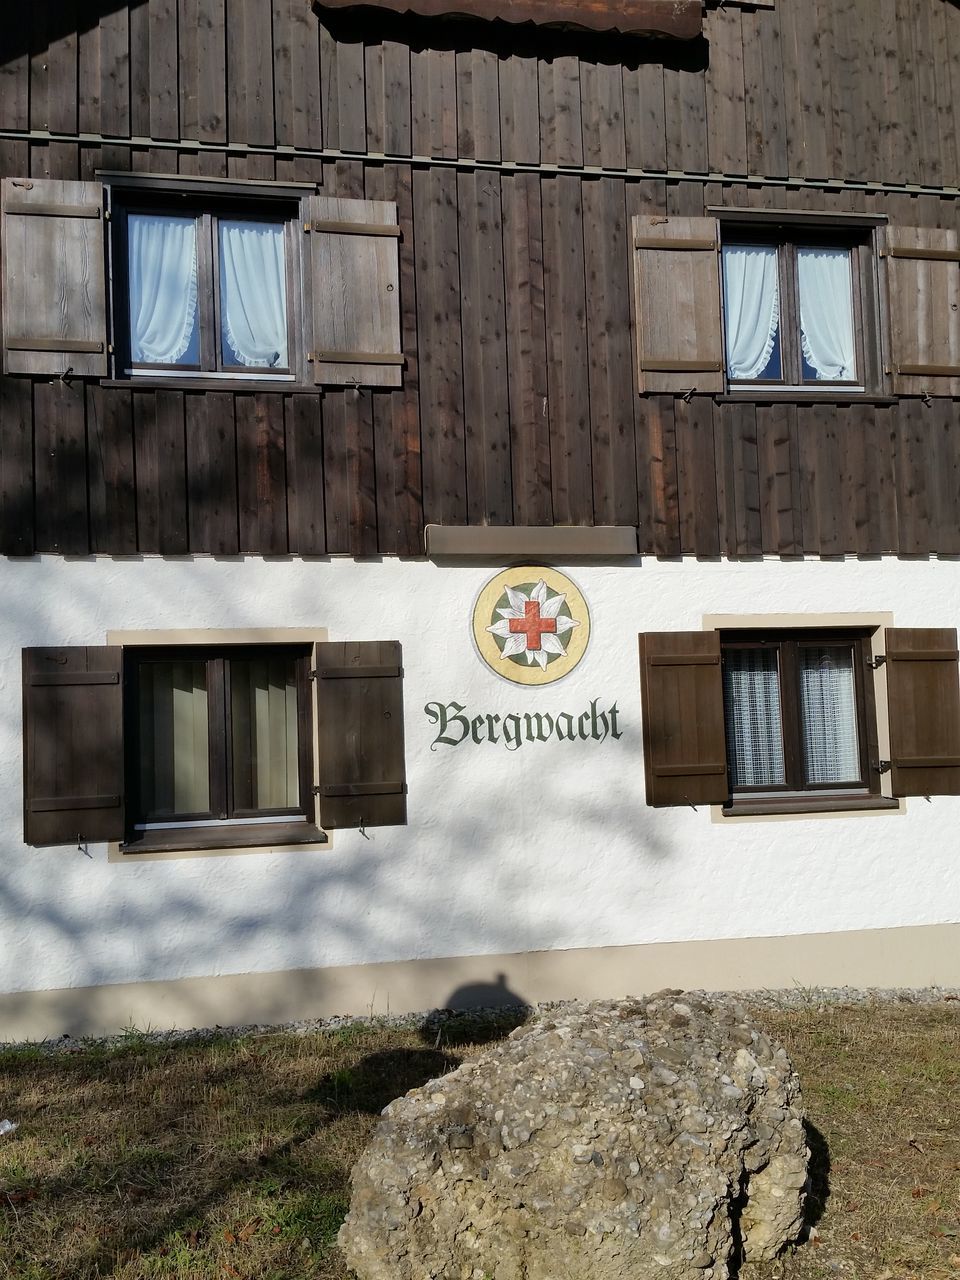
(679, 19)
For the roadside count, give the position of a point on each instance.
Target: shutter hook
(363, 830)
(82, 848)
(66, 375)
(925, 397)
(687, 395)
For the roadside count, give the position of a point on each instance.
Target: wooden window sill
(808, 804)
(200, 383)
(804, 397)
(228, 836)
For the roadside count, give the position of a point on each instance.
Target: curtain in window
(162, 288)
(752, 308)
(263, 694)
(253, 293)
(173, 740)
(826, 312)
(751, 700)
(828, 710)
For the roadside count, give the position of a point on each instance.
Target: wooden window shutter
(73, 745)
(360, 731)
(54, 283)
(923, 697)
(355, 279)
(678, 316)
(923, 288)
(684, 748)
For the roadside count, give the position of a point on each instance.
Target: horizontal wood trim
(355, 357)
(681, 366)
(684, 659)
(51, 804)
(353, 228)
(531, 540)
(204, 186)
(52, 344)
(685, 246)
(682, 19)
(927, 762)
(364, 789)
(347, 673)
(40, 210)
(798, 217)
(922, 655)
(928, 370)
(687, 770)
(930, 255)
(74, 677)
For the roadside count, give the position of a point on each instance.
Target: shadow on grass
(818, 1181)
(378, 1078)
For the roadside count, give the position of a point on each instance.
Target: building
(373, 380)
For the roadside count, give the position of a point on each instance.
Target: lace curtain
(253, 293)
(163, 289)
(751, 291)
(828, 710)
(826, 312)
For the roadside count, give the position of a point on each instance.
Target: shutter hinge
(878, 662)
(882, 766)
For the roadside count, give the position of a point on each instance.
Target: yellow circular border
(487, 647)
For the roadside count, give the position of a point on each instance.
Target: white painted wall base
(885, 958)
(549, 847)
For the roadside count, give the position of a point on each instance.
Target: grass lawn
(230, 1158)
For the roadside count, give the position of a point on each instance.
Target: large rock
(658, 1137)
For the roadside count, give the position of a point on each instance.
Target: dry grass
(230, 1158)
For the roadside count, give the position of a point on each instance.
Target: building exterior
(478, 503)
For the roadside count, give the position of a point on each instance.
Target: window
(218, 736)
(786, 719)
(208, 290)
(164, 745)
(799, 719)
(791, 312)
(209, 280)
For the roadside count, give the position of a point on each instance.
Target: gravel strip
(454, 1026)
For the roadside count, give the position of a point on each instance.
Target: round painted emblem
(531, 624)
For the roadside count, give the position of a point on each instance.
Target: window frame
(207, 209)
(788, 240)
(795, 795)
(225, 823)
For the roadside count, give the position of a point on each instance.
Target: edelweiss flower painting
(531, 625)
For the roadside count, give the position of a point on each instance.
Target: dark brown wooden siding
(519, 402)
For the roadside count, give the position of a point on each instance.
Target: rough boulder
(656, 1137)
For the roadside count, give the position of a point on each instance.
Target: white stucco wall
(548, 846)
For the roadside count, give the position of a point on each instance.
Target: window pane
(172, 739)
(751, 706)
(828, 712)
(253, 294)
(162, 273)
(751, 297)
(263, 699)
(825, 278)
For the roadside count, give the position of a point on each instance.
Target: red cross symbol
(532, 624)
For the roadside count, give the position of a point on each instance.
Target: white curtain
(826, 312)
(163, 287)
(265, 734)
(752, 301)
(751, 702)
(253, 293)
(828, 710)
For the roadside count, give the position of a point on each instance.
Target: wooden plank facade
(517, 158)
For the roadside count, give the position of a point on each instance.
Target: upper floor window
(791, 312)
(209, 291)
(208, 279)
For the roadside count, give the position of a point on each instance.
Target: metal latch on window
(878, 662)
(882, 766)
